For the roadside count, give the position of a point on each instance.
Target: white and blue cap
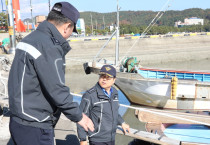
(68, 11)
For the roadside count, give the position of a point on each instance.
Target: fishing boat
(189, 133)
(195, 134)
(160, 88)
(170, 89)
(192, 127)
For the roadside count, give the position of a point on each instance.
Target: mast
(117, 36)
(116, 32)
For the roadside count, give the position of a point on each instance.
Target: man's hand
(86, 123)
(125, 128)
(83, 142)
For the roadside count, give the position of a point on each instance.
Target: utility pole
(11, 26)
(49, 5)
(91, 22)
(96, 25)
(104, 22)
(32, 22)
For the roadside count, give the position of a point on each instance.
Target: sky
(41, 7)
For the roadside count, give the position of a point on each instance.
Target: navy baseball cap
(68, 11)
(108, 70)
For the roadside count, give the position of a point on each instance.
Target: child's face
(105, 81)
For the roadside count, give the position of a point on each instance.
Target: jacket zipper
(110, 101)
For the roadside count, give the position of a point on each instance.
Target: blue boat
(189, 133)
(186, 75)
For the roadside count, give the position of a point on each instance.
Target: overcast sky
(41, 7)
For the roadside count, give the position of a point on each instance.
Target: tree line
(137, 21)
(155, 30)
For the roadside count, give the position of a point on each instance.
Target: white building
(190, 21)
(111, 28)
(194, 21)
(81, 26)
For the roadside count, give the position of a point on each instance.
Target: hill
(139, 18)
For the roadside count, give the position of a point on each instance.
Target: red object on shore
(19, 26)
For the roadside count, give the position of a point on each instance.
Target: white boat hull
(157, 93)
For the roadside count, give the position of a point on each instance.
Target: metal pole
(104, 22)
(96, 25)
(11, 27)
(32, 22)
(49, 5)
(117, 37)
(91, 23)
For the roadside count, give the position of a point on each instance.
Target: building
(81, 26)
(194, 21)
(39, 19)
(189, 22)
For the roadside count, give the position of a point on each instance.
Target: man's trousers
(27, 135)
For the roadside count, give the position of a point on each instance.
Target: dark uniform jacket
(37, 91)
(103, 111)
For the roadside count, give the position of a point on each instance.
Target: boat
(191, 127)
(159, 88)
(187, 134)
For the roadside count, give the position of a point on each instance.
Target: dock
(172, 117)
(149, 137)
(154, 138)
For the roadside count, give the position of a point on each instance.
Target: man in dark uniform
(37, 91)
(101, 104)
